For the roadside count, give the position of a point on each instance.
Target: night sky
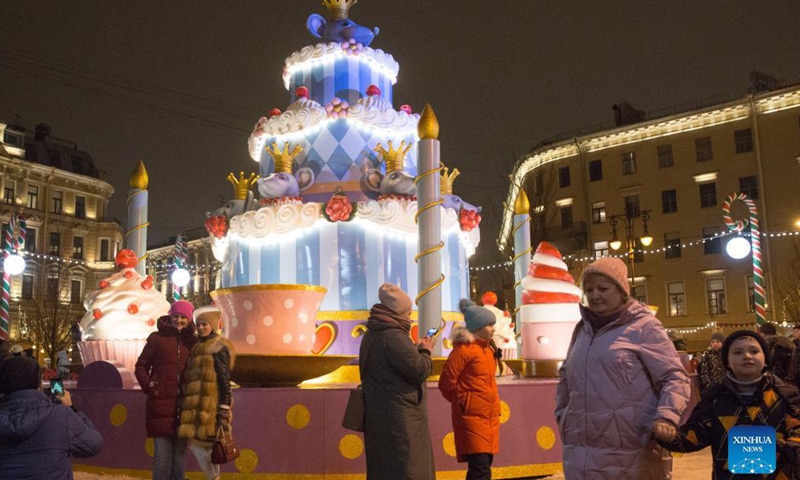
(180, 84)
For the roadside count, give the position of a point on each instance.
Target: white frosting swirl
(378, 112)
(312, 53)
(302, 113)
(113, 303)
(272, 220)
(395, 214)
(504, 335)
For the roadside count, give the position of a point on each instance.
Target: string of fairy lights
(765, 236)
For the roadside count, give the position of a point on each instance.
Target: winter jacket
(207, 387)
(39, 438)
(774, 403)
(711, 369)
(396, 436)
(160, 372)
(469, 384)
(781, 349)
(613, 384)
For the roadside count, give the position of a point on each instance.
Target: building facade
(678, 169)
(70, 242)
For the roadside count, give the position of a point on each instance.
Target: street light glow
(738, 248)
(181, 277)
(14, 264)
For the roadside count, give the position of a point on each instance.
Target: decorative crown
(283, 160)
(338, 8)
(446, 185)
(393, 157)
(241, 185)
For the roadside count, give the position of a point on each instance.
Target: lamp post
(630, 237)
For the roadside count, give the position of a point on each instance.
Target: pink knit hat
(611, 267)
(182, 307)
(395, 298)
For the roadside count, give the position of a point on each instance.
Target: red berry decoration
(373, 90)
(133, 309)
(147, 284)
(277, 111)
(406, 108)
(151, 322)
(103, 283)
(126, 258)
(469, 219)
(128, 274)
(301, 92)
(489, 298)
(339, 209)
(97, 314)
(217, 226)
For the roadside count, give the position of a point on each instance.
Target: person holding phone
(39, 436)
(468, 383)
(393, 369)
(160, 372)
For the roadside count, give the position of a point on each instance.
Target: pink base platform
(296, 433)
(558, 335)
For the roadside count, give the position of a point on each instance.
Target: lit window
(77, 247)
(715, 288)
(599, 212)
(600, 249)
(8, 191)
(33, 197)
(677, 299)
(628, 163)
(56, 205)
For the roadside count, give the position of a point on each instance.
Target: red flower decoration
(469, 219)
(339, 209)
(217, 226)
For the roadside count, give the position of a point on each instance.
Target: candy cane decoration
(181, 254)
(755, 240)
(10, 245)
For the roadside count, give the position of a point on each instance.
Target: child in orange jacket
(468, 383)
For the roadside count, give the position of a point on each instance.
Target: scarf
(382, 313)
(599, 321)
(746, 390)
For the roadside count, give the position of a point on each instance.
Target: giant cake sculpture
(549, 311)
(336, 213)
(121, 314)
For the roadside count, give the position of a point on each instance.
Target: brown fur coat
(201, 392)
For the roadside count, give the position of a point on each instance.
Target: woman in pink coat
(622, 385)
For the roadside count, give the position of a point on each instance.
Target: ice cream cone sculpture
(549, 310)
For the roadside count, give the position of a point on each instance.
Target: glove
(664, 430)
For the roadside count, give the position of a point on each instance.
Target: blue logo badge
(751, 449)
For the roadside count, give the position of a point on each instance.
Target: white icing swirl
(377, 114)
(113, 302)
(394, 214)
(272, 220)
(311, 53)
(301, 113)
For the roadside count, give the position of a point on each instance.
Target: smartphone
(432, 332)
(56, 387)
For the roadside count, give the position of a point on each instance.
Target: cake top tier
(314, 55)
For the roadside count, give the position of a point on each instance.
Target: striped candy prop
(755, 240)
(181, 255)
(10, 246)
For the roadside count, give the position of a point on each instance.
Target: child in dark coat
(748, 395)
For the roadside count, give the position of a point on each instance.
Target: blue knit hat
(476, 317)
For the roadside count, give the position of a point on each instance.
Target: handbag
(224, 449)
(354, 411)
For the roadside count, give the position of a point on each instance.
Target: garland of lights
(643, 251)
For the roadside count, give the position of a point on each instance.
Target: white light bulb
(737, 248)
(14, 264)
(181, 277)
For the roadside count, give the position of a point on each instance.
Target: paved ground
(694, 466)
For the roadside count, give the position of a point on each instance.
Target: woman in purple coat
(621, 386)
(160, 370)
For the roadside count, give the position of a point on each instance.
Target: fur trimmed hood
(460, 334)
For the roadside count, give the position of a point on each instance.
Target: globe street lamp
(630, 237)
